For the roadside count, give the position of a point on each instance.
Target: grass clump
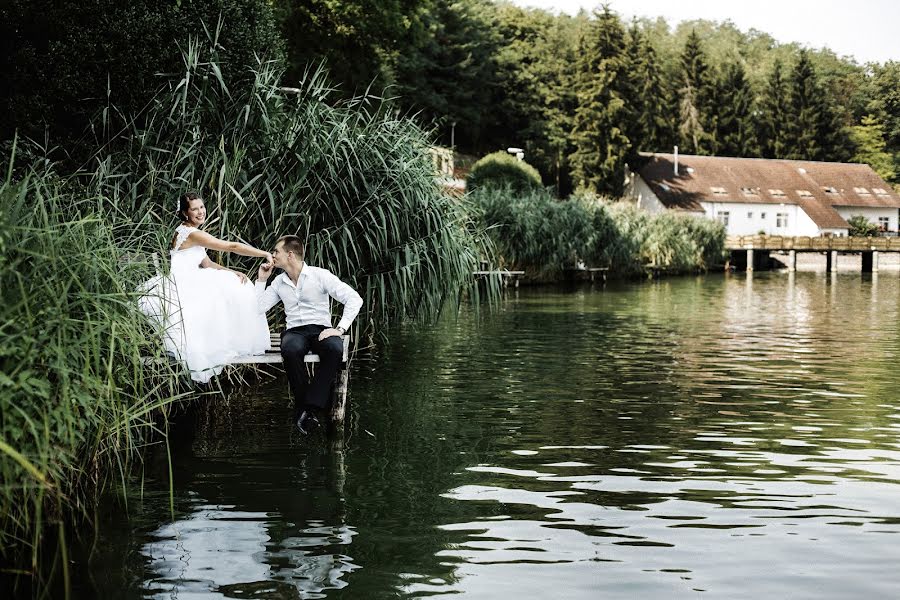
(502, 170)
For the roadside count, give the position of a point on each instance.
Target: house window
(719, 191)
(762, 216)
(747, 191)
(723, 217)
(830, 190)
(777, 193)
(804, 193)
(749, 214)
(880, 191)
(781, 220)
(861, 191)
(884, 223)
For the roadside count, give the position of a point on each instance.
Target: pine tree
(815, 125)
(652, 131)
(736, 127)
(601, 144)
(775, 108)
(694, 98)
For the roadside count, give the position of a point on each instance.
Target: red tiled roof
(802, 182)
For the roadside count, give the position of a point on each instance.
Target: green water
(720, 437)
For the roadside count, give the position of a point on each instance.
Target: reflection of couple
(211, 314)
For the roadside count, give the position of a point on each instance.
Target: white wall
(644, 196)
(750, 219)
(870, 213)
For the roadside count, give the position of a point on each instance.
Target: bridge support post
(831, 261)
(749, 259)
(792, 261)
(867, 261)
(874, 261)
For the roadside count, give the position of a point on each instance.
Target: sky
(867, 30)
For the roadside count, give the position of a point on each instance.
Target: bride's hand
(241, 276)
(270, 261)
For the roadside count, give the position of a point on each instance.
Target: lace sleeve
(181, 234)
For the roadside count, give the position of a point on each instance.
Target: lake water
(718, 436)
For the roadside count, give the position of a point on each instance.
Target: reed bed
(543, 235)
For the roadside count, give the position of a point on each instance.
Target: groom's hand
(327, 333)
(265, 270)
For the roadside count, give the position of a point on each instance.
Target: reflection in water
(717, 436)
(220, 549)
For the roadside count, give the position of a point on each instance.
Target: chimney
(676, 161)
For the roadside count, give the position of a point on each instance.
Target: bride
(208, 313)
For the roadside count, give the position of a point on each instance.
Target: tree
(601, 144)
(649, 97)
(694, 126)
(775, 108)
(448, 72)
(815, 130)
(63, 61)
(736, 126)
(871, 148)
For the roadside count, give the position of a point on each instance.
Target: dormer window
(804, 193)
(830, 190)
(719, 191)
(777, 193)
(748, 191)
(880, 191)
(861, 191)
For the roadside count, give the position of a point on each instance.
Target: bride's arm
(201, 238)
(206, 263)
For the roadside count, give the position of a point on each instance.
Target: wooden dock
(758, 247)
(505, 275)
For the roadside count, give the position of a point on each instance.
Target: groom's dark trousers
(296, 342)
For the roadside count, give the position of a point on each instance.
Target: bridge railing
(809, 243)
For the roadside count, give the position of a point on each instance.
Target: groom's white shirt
(308, 302)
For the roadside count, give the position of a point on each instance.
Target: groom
(306, 292)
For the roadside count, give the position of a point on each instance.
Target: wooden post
(830, 259)
(874, 261)
(749, 259)
(792, 261)
(866, 261)
(339, 401)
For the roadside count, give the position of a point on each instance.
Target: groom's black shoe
(307, 421)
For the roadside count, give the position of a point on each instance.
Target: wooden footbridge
(758, 247)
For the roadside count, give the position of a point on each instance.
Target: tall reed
(352, 176)
(76, 400)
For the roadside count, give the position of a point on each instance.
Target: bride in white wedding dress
(208, 313)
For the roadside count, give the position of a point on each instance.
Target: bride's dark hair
(184, 203)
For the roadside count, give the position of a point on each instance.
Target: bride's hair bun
(184, 203)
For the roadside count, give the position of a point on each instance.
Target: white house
(754, 195)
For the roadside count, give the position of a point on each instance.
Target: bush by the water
(543, 235)
(500, 169)
(860, 226)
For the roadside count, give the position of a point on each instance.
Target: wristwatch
(341, 329)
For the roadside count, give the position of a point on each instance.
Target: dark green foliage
(695, 127)
(357, 39)
(816, 132)
(448, 71)
(603, 114)
(652, 129)
(776, 115)
(500, 169)
(861, 226)
(63, 61)
(736, 125)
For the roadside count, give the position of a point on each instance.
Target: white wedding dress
(207, 315)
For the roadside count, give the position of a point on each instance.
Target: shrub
(861, 226)
(501, 170)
